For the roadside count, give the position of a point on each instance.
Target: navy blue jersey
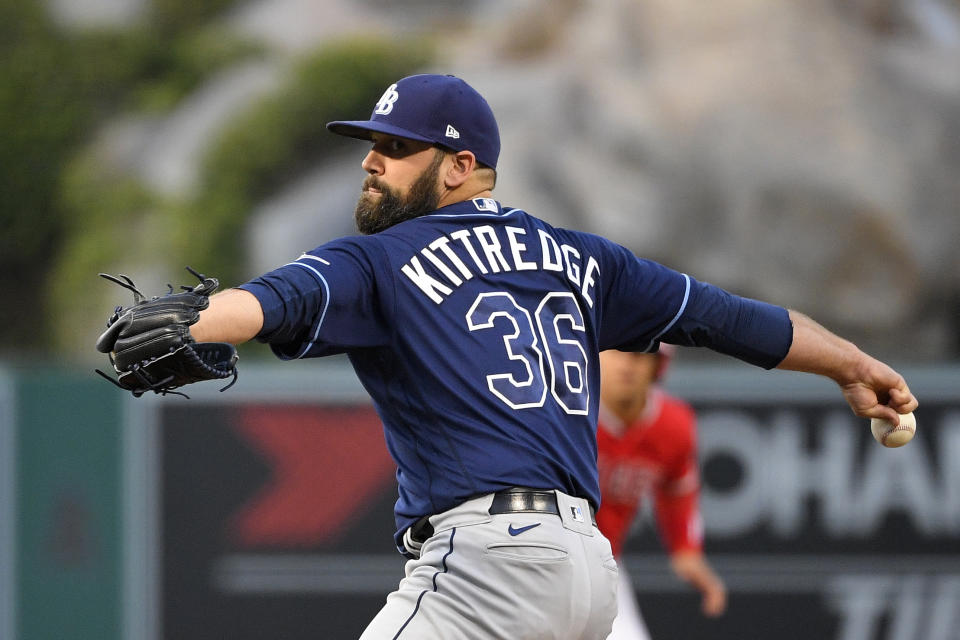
(476, 330)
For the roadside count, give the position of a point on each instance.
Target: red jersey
(656, 455)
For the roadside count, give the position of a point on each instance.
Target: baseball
(890, 436)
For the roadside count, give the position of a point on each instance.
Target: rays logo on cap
(385, 104)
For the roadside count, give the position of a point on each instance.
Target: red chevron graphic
(328, 464)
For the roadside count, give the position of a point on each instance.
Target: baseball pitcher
(476, 328)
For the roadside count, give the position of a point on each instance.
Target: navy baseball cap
(439, 109)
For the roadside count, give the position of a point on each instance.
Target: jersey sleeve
(645, 303)
(325, 302)
(679, 519)
(677, 498)
(640, 300)
(751, 330)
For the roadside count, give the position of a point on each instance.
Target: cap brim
(362, 130)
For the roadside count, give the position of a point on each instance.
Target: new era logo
(451, 132)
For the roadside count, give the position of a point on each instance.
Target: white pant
(523, 576)
(628, 624)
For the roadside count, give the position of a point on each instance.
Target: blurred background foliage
(66, 215)
(270, 142)
(277, 140)
(56, 87)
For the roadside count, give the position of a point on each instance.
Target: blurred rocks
(796, 152)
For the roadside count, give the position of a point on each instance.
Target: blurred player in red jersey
(647, 447)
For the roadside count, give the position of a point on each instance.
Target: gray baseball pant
(516, 576)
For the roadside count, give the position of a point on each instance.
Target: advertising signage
(275, 516)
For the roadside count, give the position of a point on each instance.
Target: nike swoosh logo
(514, 531)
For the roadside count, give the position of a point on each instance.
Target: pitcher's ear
(463, 164)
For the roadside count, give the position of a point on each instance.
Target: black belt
(512, 500)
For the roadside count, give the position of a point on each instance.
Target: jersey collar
(475, 206)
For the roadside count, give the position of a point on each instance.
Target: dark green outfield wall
(68, 454)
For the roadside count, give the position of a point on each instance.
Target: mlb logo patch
(486, 204)
(577, 513)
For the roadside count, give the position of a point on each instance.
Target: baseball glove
(150, 346)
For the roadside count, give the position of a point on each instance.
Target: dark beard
(373, 215)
